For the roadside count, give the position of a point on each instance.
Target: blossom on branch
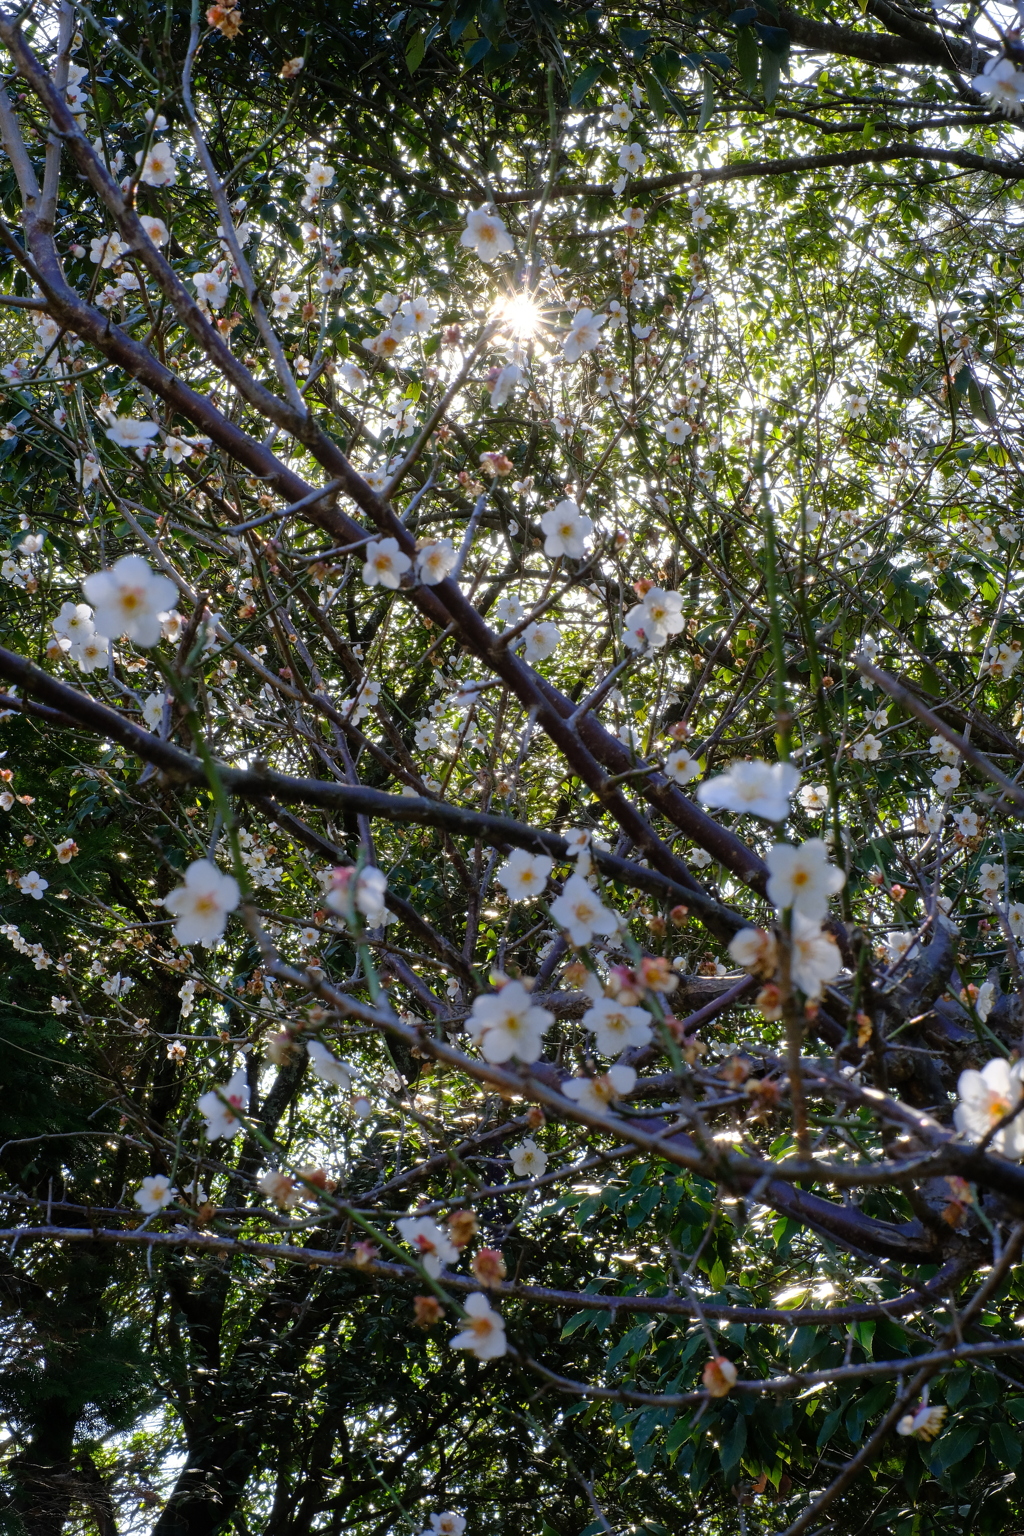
(202, 905)
(484, 1331)
(753, 788)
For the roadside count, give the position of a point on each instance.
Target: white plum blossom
(508, 1023)
(211, 289)
(156, 230)
(753, 788)
(681, 766)
(105, 250)
(567, 530)
(678, 430)
(581, 913)
(386, 564)
(816, 957)
(223, 1118)
(127, 432)
(419, 315)
(595, 1094)
(616, 1025)
(524, 875)
(528, 1160)
(504, 383)
(619, 115)
(153, 710)
(632, 159)
(284, 299)
(435, 561)
(74, 621)
(448, 1524)
(90, 652)
(159, 168)
(33, 885)
(802, 877)
(946, 779)
(814, 798)
(486, 234)
(327, 1066)
(1002, 86)
(541, 641)
(154, 1193)
(433, 1245)
(484, 1331)
(129, 599)
(87, 471)
(985, 1097)
(319, 176)
(202, 905)
(584, 334)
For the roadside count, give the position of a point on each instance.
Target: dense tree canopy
(512, 1003)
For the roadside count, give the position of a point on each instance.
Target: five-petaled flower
(203, 903)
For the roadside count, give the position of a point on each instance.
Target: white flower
(985, 1000)
(619, 115)
(584, 334)
(105, 250)
(857, 405)
(59, 1004)
(327, 1066)
(567, 530)
(755, 788)
(1002, 86)
(681, 766)
(700, 218)
(353, 375)
(814, 798)
(158, 168)
(154, 1193)
(433, 1246)
(802, 878)
(222, 1119)
(755, 949)
(285, 299)
(90, 652)
(87, 471)
(66, 850)
(385, 563)
(946, 779)
(434, 562)
(990, 878)
(663, 614)
(176, 449)
(1015, 918)
(924, 1423)
(33, 884)
(153, 710)
(129, 600)
(508, 1023)
(580, 912)
(371, 888)
(486, 234)
(74, 621)
(508, 609)
(616, 1026)
(419, 314)
(985, 1097)
(965, 821)
(816, 957)
(448, 1524)
(203, 903)
(596, 1093)
(867, 749)
(126, 432)
(523, 874)
(541, 641)
(677, 430)
(484, 1331)
(528, 1160)
(117, 985)
(504, 384)
(156, 229)
(210, 289)
(634, 218)
(632, 158)
(319, 176)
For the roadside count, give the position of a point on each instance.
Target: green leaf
(708, 104)
(585, 82)
(907, 340)
(953, 1447)
(1005, 1443)
(635, 39)
(771, 74)
(747, 59)
(414, 52)
(733, 1444)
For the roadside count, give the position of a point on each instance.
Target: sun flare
(520, 314)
